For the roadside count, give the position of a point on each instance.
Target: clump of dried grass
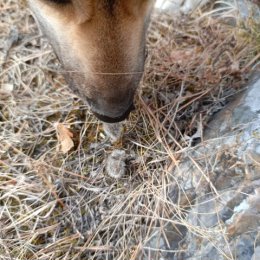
(55, 206)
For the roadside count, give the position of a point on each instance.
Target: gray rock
(243, 8)
(256, 254)
(115, 165)
(113, 131)
(164, 244)
(231, 146)
(244, 248)
(178, 7)
(223, 175)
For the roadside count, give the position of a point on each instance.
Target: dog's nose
(108, 119)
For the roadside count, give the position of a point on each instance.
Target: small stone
(115, 165)
(113, 131)
(8, 88)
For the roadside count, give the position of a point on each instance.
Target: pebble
(115, 165)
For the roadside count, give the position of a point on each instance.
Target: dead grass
(55, 206)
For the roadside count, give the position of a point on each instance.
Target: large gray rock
(222, 178)
(244, 8)
(180, 6)
(225, 172)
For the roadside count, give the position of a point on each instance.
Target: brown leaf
(64, 137)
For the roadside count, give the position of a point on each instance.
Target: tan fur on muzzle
(101, 45)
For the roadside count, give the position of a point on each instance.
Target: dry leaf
(64, 137)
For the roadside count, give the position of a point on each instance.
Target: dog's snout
(109, 119)
(101, 47)
(112, 107)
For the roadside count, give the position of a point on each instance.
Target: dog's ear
(84, 10)
(138, 7)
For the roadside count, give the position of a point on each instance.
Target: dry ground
(65, 206)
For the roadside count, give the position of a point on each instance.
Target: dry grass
(55, 206)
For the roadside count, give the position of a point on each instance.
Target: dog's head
(101, 45)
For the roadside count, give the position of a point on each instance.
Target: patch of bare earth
(56, 205)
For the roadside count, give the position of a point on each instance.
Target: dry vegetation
(56, 206)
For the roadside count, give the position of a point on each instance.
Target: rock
(7, 44)
(244, 247)
(246, 222)
(220, 179)
(115, 165)
(256, 254)
(246, 10)
(113, 131)
(180, 6)
(164, 243)
(230, 157)
(243, 110)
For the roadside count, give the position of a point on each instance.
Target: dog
(101, 46)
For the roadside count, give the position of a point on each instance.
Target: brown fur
(101, 45)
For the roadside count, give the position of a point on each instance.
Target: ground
(57, 204)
